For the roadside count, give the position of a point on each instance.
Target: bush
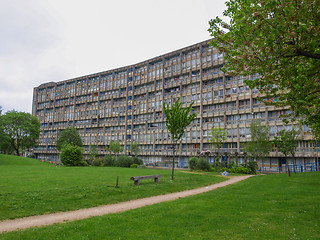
(203, 164)
(252, 166)
(198, 164)
(137, 160)
(243, 170)
(72, 156)
(213, 169)
(231, 164)
(109, 161)
(142, 166)
(193, 163)
(120, 161)
(98, 162)
(124, 161)
(134, 165)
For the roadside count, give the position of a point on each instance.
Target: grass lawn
(30, 187)
(262, 207)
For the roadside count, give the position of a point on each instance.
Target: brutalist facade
(125, 105)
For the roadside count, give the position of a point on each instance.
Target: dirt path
(48, 219)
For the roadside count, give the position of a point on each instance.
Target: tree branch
(301, 52)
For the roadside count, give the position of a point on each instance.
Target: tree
(134, 147)
(19, 130)
(286, 142)
(69, 136)
(5, 145)
(93, 153)
(115, 147)
(218, 136)
(72, 155)
(279, 40)
(177, 119)
(259, 146)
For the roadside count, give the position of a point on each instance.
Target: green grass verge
(262, 207)
(30, 187)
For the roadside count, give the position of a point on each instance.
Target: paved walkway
(48, 219)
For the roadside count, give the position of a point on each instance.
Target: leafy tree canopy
(72, 155)
(134, 147)
(259, 146)
(115, 147)
(218, 135)
(177, 118)
(69, 136)
(278, 40)
(19, 130)
(93, 152)
(286, 141)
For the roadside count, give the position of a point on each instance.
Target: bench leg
(137, 182)
(156, 179)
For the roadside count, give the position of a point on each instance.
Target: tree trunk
(288, 167)
(17, 150)
(218, 162)
(173, 148)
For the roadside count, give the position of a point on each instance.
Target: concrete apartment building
(125, 105)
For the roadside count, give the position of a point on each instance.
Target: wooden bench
(137, 179)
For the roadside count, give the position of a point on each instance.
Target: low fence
(308, 167)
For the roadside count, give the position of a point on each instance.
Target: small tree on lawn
(134, 147)
(177, 119)
(259, 146)
(93, 153)
(69, 136)
(72, 155)
(115, 147)
(218, 136)
(286, 142)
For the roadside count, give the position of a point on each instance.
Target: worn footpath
(48, 219)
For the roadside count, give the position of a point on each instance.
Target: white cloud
(54, 40)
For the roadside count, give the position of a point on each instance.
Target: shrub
(203, 164)
(72, 156)
(219, 165)
(109, 161)
(142, 166)
(231, 164)
(98, 162)
(198, 164)
(213, 169)
(134, 165)
(124, 161)
(243, 170)
(193, 163)
(252, 166)
(137, 160)
(225, 169)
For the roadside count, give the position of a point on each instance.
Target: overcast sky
(53, 40)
